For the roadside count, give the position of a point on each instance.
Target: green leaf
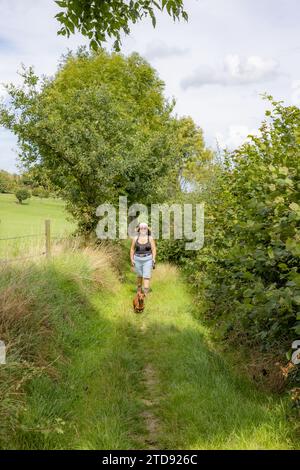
(293, 246)
(297, 329)
(270, 252)
(156, 4)
(153, 19)
(294, 207)
(283, 170)
(61, 3)
(93, 44)
(296, 299)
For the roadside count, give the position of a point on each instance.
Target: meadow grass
(28, 219)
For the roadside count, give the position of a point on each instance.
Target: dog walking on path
(139, 302)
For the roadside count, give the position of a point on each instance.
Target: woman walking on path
(142, 256)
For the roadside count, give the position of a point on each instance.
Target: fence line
(47, 252)
(22, 236)
(11, 260)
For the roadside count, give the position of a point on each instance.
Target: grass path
(162, 386)
(154, 381)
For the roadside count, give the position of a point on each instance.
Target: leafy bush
(7, 182)
(249, 269)
(22, 194)
(40, 192)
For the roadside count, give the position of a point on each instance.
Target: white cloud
(161, 50)
(251, 69)
(235, 70)
(236, 136)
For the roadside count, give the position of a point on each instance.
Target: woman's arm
(153, 246)
(132, 250)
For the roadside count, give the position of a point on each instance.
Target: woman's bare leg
(146, 285)
(139, 283)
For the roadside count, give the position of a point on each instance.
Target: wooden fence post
(48, 239)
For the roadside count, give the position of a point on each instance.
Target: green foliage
(8, 182)
(35, 180)
(249, 266)
(40, 192)
(99, 20)
(22, 194)
(99, 129)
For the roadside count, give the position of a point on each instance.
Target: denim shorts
(143, 265)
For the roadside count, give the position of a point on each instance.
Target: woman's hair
(138, 230)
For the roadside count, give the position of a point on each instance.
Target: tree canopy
(100, 128)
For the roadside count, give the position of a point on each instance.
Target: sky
(217, 65)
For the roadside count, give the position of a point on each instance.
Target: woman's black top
(142, 248)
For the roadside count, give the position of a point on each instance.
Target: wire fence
(11, 260)
(22, 236)
(43, 247)
(44, 244)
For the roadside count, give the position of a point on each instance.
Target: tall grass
(46, 315)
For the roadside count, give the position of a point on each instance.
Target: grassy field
(28, 218)
(18, 220)
(113, 379)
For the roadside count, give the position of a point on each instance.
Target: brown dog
(139, 302)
